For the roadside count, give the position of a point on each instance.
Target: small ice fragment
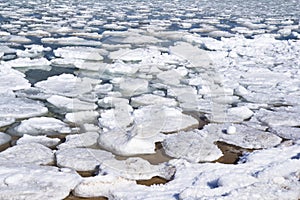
(231, 129)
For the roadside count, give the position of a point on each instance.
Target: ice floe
(87, 139)
(65, 104)
(36, 182)
(135, 168)
(30, 153)
(81, 159)
(193, 146)
(12, 107)
(46, 141)
(65, 85)
(41, 126)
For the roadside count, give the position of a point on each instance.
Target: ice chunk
(46, 141)
(235, 114)
(75, 41)
(4, 138)
(84, 53)
(193, 146)
(278, 118)
(245, 137)
(36, 182)
(82, 117)
(6, 121)
(40, 63)
(151, 99)
(135, 168)
(12, 107)
(30, 153)
(87, 139)
(11, 79)
(41, 126)
(156, 118)
(197, 57)
(65, 85)
(81, 159)
(290, 133)
(130, 87)
(102, 185)
(70, 104)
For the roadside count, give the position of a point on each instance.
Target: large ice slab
(101, 185)
(156, 118)
(13, 107)
(278, 118)
(65, 104)
(193, 146)
(11, 79)
(41, 126)
(243, 136)
(286, 132)
(31, 153)
(65, 85)
(84, 53)
(36, 182)
(87, 139)
(135, 168)
(81, 159)
(151, 99)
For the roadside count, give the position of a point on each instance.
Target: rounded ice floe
(84, 53)
(87, 139)
(135, 168)
(112, 102)
(36, 182)
(65, 104)
(151, 99)
(31, 153)
(65, 85)
(29, 63)
(235, 114)
(12, 107)
(46, 141)
(193, 146)
(11, 79)
(5, 121)
(128, 143)
(278, 118)
(81, 159)
(4, 138)
(156, 118)
(102, 185)
(245, 136)
(41, 126)
(82, 117)
(290, 133)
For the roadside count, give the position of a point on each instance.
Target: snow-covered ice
(41, 126)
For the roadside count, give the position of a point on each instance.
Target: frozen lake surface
(149, 99)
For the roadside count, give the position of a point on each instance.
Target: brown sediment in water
(153, 181)
(231, 153)
(4, 146)
(72, 197)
